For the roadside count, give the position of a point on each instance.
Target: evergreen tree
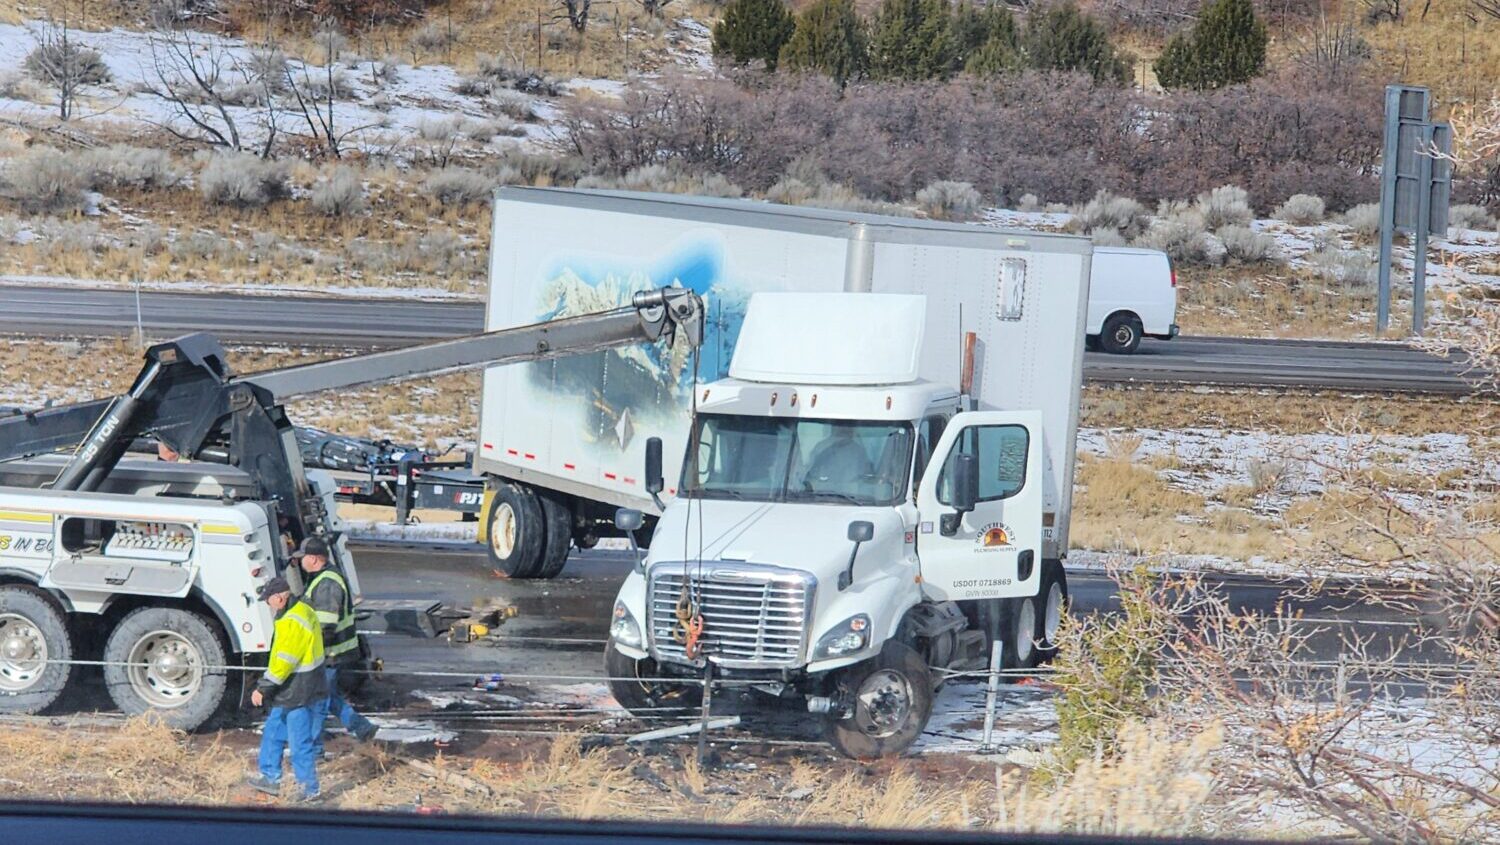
(1226, 47)
(1063, 38)
(985, 40)
(911, 39)
(830, 39)
(754, 29)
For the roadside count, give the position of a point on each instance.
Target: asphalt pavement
(1243, 362)
(560, 625)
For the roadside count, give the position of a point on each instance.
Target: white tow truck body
(841, 418)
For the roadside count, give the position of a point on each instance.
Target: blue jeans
(339, 707)
(297, 727)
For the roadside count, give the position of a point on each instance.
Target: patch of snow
(410, 731)
(1025, 718)
(426, 532)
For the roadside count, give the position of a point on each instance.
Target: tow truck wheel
(33, 636)
(166, 662)
(1052, 605)
(632, 683)
(518, 535)
(888, 700)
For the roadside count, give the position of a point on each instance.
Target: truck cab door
(994, 550)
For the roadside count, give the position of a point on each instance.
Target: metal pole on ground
(989, 699)
(708, 697)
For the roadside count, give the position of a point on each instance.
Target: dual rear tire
(158, 660)
(530, 532)
(1026, 627)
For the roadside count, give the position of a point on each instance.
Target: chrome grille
(753, 616)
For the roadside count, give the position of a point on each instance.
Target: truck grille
(753, 616)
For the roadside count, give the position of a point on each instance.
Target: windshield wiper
(832, 494)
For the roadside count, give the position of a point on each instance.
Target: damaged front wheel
(887, 701)
(640, 688)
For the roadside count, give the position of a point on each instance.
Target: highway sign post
(1415, 185)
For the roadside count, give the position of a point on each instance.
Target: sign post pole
(1419, 232)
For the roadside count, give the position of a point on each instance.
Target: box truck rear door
(993, 550)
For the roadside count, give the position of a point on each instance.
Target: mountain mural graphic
(619, 390)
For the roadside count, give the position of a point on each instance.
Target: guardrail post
(708, 697)
(987, 746)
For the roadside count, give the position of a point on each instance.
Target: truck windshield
(799, 460)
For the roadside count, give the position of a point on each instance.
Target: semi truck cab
(842, 524)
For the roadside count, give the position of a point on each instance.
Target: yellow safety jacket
(329, 595)
(294, 675)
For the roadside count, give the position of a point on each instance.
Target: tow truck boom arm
(187, 398)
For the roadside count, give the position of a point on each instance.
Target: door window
(1001, 453)
(929, 431)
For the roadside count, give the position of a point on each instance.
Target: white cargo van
(1132, 294)
(561, 443)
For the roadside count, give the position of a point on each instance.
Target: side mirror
(654, 482)
(629, 519)
(861, 531)
(965, 483)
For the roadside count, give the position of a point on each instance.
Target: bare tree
(575, 12)
(64, 64)
(317, 90)
(204, 83)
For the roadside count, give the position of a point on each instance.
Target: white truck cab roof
(823, 401)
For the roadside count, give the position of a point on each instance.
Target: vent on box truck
(830, 338)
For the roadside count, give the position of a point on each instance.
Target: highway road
(559, 624)
(1243, 362)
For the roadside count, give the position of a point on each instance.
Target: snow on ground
(387, 110)
(1206, 460)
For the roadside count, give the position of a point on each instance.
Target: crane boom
(187, 398)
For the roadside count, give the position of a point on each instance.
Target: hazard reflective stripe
(297, 617)
(327, 617)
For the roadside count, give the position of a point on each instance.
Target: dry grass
(1273, 300)
(1159, 783)
(1279, 411)
(1450, 48)
(1121, 506)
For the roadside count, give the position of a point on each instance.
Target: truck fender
(31, 579)
(633, 595)
(886, 601)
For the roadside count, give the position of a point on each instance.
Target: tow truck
(152, 566)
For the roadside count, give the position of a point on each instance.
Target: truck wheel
(1005, 620)
(1121, 334)
(559, 532)
(164, 661)
(518, 534)
(1052, 604)
(33, 633)
(890, 701)
(630, 682)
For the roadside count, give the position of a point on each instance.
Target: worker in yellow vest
(294, 687)
(328, 593)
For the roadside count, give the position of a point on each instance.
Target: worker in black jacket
(328, 593)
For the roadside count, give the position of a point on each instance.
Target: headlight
(846, 638)
(623, 629)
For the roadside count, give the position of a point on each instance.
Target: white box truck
(870, 474)
(561, 444)
(1132, 294)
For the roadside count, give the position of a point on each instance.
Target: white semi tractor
(561, 444)
(865, 473)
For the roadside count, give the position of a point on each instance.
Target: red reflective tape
(569, 466)
(630, 481)
(489, 445)
(530, 457)
(512, 452)
(671, 491)
(611, 476)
